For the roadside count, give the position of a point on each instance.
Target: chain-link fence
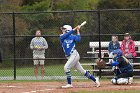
(18, 29)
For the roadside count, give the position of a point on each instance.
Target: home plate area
(55, 87)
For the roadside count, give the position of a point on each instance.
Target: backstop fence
(18, 28)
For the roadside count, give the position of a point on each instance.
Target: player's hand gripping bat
(79, 26)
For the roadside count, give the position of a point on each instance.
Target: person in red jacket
(128, 47)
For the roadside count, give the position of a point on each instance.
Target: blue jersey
(68, 41)
(122, 64)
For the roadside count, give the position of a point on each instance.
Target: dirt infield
(55, 87)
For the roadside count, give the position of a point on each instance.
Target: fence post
(99, 35)
(14, 45)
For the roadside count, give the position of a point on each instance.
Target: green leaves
(76, 5)
(38, 6)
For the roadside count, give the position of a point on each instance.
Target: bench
(104, 47)
(108, 70)
(94, 64)
(95, 45)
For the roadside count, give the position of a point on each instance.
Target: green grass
(116, 91)
(52, 70)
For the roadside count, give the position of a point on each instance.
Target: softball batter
(68, 41)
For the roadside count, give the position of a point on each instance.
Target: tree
(118, 4)
(119, 22)
(9, 5)
(30, 2)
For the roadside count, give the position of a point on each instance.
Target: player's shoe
(97, 82)
(68, 86)
(130, 80)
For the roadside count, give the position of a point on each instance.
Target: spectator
(38, 45)
(128, 47)
(113, 45)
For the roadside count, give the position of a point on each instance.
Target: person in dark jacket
(113, 45)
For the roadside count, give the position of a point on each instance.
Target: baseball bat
(82, 24)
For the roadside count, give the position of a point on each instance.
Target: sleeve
(31, 44)
(63, 36)
(132, 50)
(122, 47)
(77, 38)
(45, 44)
(118, 45)
(114, 63)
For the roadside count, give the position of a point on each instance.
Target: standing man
(38, 45)
(128, 47)
(68, 41)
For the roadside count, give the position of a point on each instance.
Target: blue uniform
(124, 66)
(123, 70)
(68, 42)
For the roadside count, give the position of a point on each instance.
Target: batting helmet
(118, 52)
(68, 27)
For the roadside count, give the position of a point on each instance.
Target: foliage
(52, 19)
(30, 2)
(9, 5)
(76, 4)
(37, 6)
(119, 22)
(118, 4)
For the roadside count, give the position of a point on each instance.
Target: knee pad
(119, 81)
(122, 81)
(114, 81)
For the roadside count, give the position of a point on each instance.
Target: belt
(73, 50)
(71, 53)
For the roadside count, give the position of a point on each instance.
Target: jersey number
(68, 45)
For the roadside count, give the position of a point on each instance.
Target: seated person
(123, 70)
(128, 47)
(113, 45)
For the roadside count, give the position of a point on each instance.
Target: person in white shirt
(38, 45)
